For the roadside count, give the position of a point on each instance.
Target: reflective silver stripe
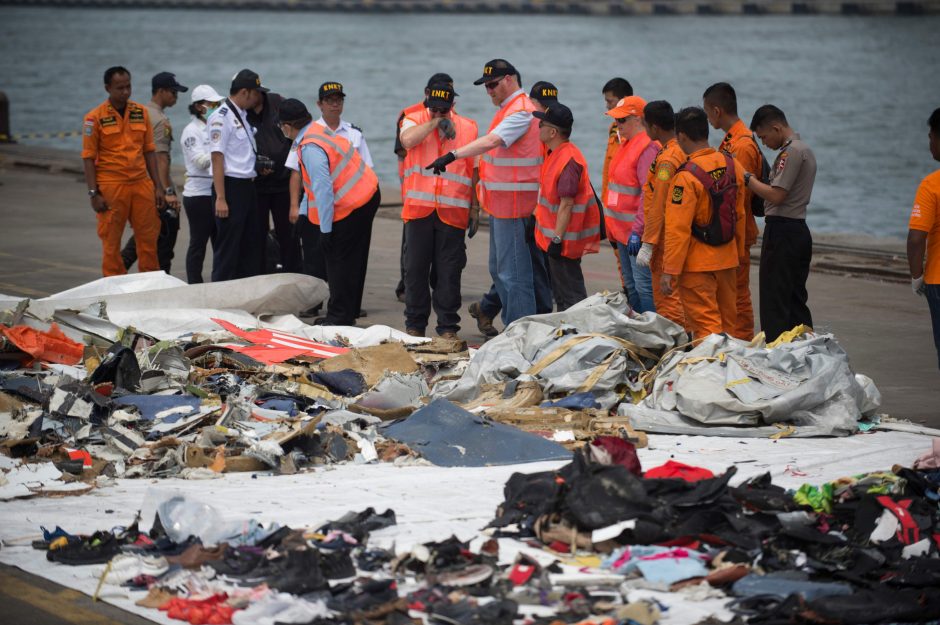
(577, 208)
(341, 165)
(439, 199)
(627, 217)
(571, 236)
(346, 188)
(511, 186)
(417, 169)
(622, 188)
(513, 162)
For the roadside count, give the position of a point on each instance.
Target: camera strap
(251, 135)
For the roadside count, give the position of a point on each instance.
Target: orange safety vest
(624, 191)
(405, 112)
(583, 234)
(509, 177)
(450, 192)
(354, 182)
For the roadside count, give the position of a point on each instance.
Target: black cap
(438, 78)
(440, 95)
(557, 114)
(166, 80)
(247, 79)
(331, 88)
(494, 69)
(544, 92)
(292, 110)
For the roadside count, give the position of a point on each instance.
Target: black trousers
(237, 250)
(429, 242)
(785, 257)
(166, 241)
(275, 207)
(200, 213)
(314, 263)
(567, 281)
(347, 262)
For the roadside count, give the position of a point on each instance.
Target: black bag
(724, 195)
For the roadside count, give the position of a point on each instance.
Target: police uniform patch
(136, 115)
(215, 136)
(677, 194)
(664, 174)
(781, 161)
(108, 121)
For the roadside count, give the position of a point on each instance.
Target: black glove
(441, 164)
(554, 250)
(447, 128)
(326, 243)
(474, 223)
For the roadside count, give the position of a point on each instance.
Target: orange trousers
(744, 326)
(669, 306)
(134, 202)
(710, 301)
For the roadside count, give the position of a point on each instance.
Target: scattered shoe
(484, 323)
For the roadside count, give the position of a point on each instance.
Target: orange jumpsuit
(613, 144)
(118, 144)
(740, 144)
(655, 192)
(707, 273)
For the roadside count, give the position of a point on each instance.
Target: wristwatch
(747, 178)
(92, 192)
(169, 191)
(556, 239)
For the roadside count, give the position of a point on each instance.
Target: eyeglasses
(622, 120)
(545, 124)
(439, 110)
(493, 84)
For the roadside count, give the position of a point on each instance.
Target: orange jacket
(450, 192)
(582, 236)
(509, 177)
(613, 142)
(740, 143)
(118, 144)
(688, 201)
(624, 195)
(354, 182)
(656, 189)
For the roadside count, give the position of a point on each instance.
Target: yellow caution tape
(790, 335)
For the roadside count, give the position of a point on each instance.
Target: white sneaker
(127, 566)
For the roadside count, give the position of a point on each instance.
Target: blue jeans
(491, 304)
(511, 270)
(933, 301)
(638, 280)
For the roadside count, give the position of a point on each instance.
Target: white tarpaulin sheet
(431, 503)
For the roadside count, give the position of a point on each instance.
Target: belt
(776, 219)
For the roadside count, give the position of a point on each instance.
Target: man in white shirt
(232, 144)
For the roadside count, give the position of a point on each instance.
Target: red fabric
(908, 533)
(673, 469)
(521, 573)
(273, 346)
(620, 451)
(49, 346)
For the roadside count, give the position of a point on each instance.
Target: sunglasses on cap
(493, 84)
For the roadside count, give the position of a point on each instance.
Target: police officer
(164, 92)
(232, 144)
(787, 248)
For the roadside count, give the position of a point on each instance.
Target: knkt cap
(544, 92)
(205, 93)
(292, 110)
(556, 114)
(440, 95)
(494, 69)
(629, 106)
(166, 80)
(247, 79)
(331, 88)
(440, 77)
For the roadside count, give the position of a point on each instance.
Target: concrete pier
(569, 7)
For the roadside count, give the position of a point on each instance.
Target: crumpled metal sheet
(726, 387)
(527, 340)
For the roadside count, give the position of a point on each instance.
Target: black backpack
(724, 195)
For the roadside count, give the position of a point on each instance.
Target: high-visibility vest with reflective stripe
(354, 182)
(406, 112)
(583, 234)
(449, 193)
(624, 191)
(509, 177)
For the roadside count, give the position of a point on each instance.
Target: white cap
(207, 93)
